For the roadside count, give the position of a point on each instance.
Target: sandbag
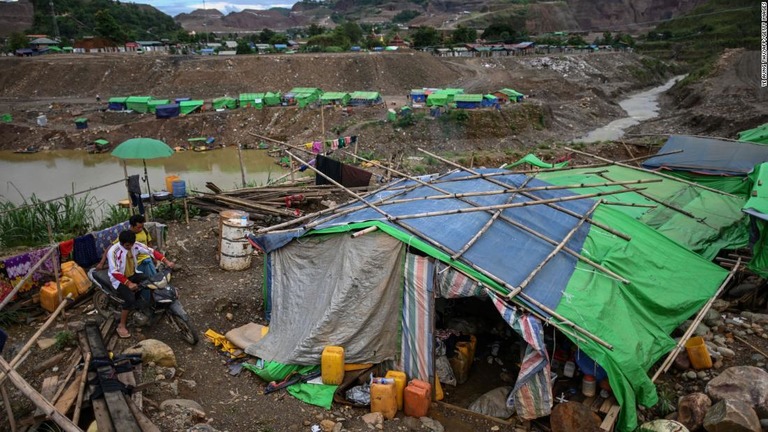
(493, 403)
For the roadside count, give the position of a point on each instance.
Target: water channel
(639, 107)
(57, 173)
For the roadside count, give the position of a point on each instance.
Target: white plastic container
(570, 369)
(236, 251)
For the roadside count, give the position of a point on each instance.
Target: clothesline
(61, 197)
(318, 147)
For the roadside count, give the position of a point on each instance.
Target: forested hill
(110, 19)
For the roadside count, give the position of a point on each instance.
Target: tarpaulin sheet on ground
(757, 135)
(708, 156)
(311, 301)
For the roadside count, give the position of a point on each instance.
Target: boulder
(692, 408)
(184, 403)
(745, 383)
(731, 416)
(152, 350)
(373, 418)
(412, 423)
(327, 425)
(432, 424)
(573, 417)
(682, 361)
(663, 426)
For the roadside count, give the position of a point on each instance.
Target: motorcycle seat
(102, 277)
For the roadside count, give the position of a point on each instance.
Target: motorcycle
(164, 301)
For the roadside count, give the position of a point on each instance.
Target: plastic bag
(494, 403)
(359, 395)
(444, 371)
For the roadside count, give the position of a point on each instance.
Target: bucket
(169, 179)
(698, 353)
(179, 188)
(235, 249)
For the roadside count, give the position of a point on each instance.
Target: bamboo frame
(21, 283)
(557, 249)
(556, 207)
(667, 176)
(658, 201)
(81, 389)
(699, 317)
(415, 232)
(8, 409)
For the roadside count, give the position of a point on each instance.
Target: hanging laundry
(347, 140)
(329, 167)
(354, 177)
(310, 163)
(65, 248)
(334, 145)
(105, 237)
(317, 147)
(85, 254)
(353, 139)
(308, 145)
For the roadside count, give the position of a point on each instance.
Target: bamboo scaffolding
(20, 355)
(36, 398)
(664, 204)
(557, 249)
(616, 203)
(700, 316)
(513, 205)
(635, 159)
(415, 232)
(505, 219)
(520, 190)
(667, 176)
(556, 207)
(31, 271)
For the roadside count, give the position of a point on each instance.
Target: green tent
(734, 185)
(451, 93)
(512, 95)
(101, 142)
(757, 135)
(54, 49)
(258, 102)
(272, 98)
(190, 106)
(118, 100)
(699, 219)
(139, 104)
(757, 208)
(154, 103)
(391, 115)
(532, 159)
(6, 118)
(247, 99)
(68, 49)
(437, 99)
(225, 102)
(340, 98)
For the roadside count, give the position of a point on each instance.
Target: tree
(265, 35)
(352, 31)
(499, 32)
(108, 28)
(607, 38)
(315, 30)
(425, 37)
(405, 16)
(576, 41)
(464, 35)
(278, 38)
(243, 47)
(17, 41)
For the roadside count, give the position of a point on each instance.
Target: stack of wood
(65, 395)
(269, 202)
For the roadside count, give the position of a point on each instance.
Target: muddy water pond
(639, 107)
(56, 173)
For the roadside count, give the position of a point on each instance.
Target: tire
(103, 304)
(184, 326)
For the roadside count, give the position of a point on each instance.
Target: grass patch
(173, 212)
(26, 224)
(65, 339)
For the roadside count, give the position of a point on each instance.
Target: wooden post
(21, 283)
(54, 263)
(186, 210)
(242, 168)
(36, 398)
(80, 391)
(8, 409)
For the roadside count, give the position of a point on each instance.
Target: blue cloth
(147, 267)
(84, 252)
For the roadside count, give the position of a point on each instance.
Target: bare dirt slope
(726, 101)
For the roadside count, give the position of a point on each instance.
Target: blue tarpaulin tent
(167, 111)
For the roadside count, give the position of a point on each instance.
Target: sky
(175, 7)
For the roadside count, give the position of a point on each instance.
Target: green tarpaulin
(81, 120)
(335, 97)
(188, 107)
(247, 99)
(734, 185)
(437, 99)
(154, 103)
(139, 104)
(757, 208)
(701, 220)
(757, 135)
(6, 118)
(532, 159)
(313, 394)
(118, 99)
(101, 142)
(224, 102)
(271, 98)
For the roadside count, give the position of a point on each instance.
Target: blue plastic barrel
(179, 189)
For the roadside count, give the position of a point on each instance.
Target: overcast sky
(175, 7)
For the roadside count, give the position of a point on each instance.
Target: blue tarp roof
(455, 230)
(167, 111)
(709, 156)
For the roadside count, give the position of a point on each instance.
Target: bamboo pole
(364, 231)
(36, 398)
(513, 205)
(700, 316)
(8, 409)
(18, 359)
(616, 203)
(506, 219)
(556, 207)
(521, 189)
(242, 167)
(54, 264)
(83, 379)
(658, 201)
(651, 156)
(21, 283)
(667, 176)
(415, 232)
(557, 249)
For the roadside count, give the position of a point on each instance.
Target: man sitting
(145, 263)
(125, 276)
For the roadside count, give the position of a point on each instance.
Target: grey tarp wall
(335, 290)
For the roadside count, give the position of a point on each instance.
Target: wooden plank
(145, 423)
(128, 378)
(101, 413)
(52, 361)
(68, 398)
(48, 390)
(606, 406)
(597, 403)
(474, 414)
(589, 401)
(610, 419)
